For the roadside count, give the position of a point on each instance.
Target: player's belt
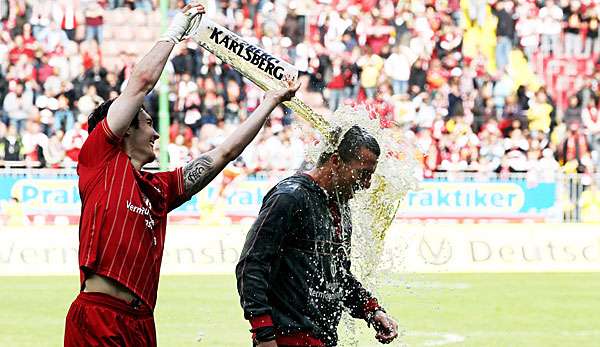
(316, 246)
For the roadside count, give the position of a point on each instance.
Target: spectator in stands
(179, 153)
(528, 31)
(182, 61)
(35, 144)
(426, 113)
(591, 122)
(512, 111)
(336, 87)
(397, 68)
(53, 82)
(73, 140)
(293, 26)
(491, 148)
(18, 49)
(43, 70)
(450, 40)
(97, 76)
(550, 17)
(590, 204)
(56, 151)
(94, 21)
(574, 150)
(455, 100)
(186, 86)
(17, 105)
(573, 44)
(587, 92)
(503, 88)
(573, 112)
(592, 41)
(418, 77)
(111, 85)
(52, 36)
(505, 31)
(371, 65)
(547, 166)
(89, 101)
(127, 63)
(539, 113)
(68, 21)
(11, 145)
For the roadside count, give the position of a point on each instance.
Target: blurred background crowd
(478, 86)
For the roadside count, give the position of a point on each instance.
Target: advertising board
(409, 248)
(48, 198)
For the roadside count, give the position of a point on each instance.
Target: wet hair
(100, 113)
(354, 139)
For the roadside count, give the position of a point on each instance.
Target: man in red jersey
(124, 209)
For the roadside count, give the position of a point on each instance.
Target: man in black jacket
(293, 275)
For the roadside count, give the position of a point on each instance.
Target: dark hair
(100, 113)
(354, 139)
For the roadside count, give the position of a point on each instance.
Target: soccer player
(124, 209)
(294, 275)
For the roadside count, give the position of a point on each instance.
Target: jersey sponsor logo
(329, 296)
(144, 211)
(137, 209)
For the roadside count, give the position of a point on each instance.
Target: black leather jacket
(295, 264)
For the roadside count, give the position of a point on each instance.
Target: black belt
(317, 246)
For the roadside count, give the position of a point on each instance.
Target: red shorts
(97, 319)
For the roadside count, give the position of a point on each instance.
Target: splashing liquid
(374, 209)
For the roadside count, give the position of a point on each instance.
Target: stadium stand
(478, 86)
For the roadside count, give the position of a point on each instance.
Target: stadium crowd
(470, 101)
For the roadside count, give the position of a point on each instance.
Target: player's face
(356, 175)
(143, 138)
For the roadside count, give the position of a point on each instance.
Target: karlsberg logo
(466, 197)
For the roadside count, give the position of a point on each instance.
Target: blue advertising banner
(49, 197)
(512, 199)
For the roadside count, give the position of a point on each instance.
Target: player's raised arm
(147, 72)
(200, 171)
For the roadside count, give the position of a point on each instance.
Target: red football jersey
(123, 214)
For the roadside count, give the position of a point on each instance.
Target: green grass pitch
(483, 310)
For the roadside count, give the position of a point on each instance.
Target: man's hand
(185, 23)
(284, 94)
(267, 344)
(386, 327)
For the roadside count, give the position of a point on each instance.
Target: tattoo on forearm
(198, 173)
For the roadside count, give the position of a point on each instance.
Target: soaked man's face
(356, 174)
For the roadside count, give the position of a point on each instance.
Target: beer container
(262, 68)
